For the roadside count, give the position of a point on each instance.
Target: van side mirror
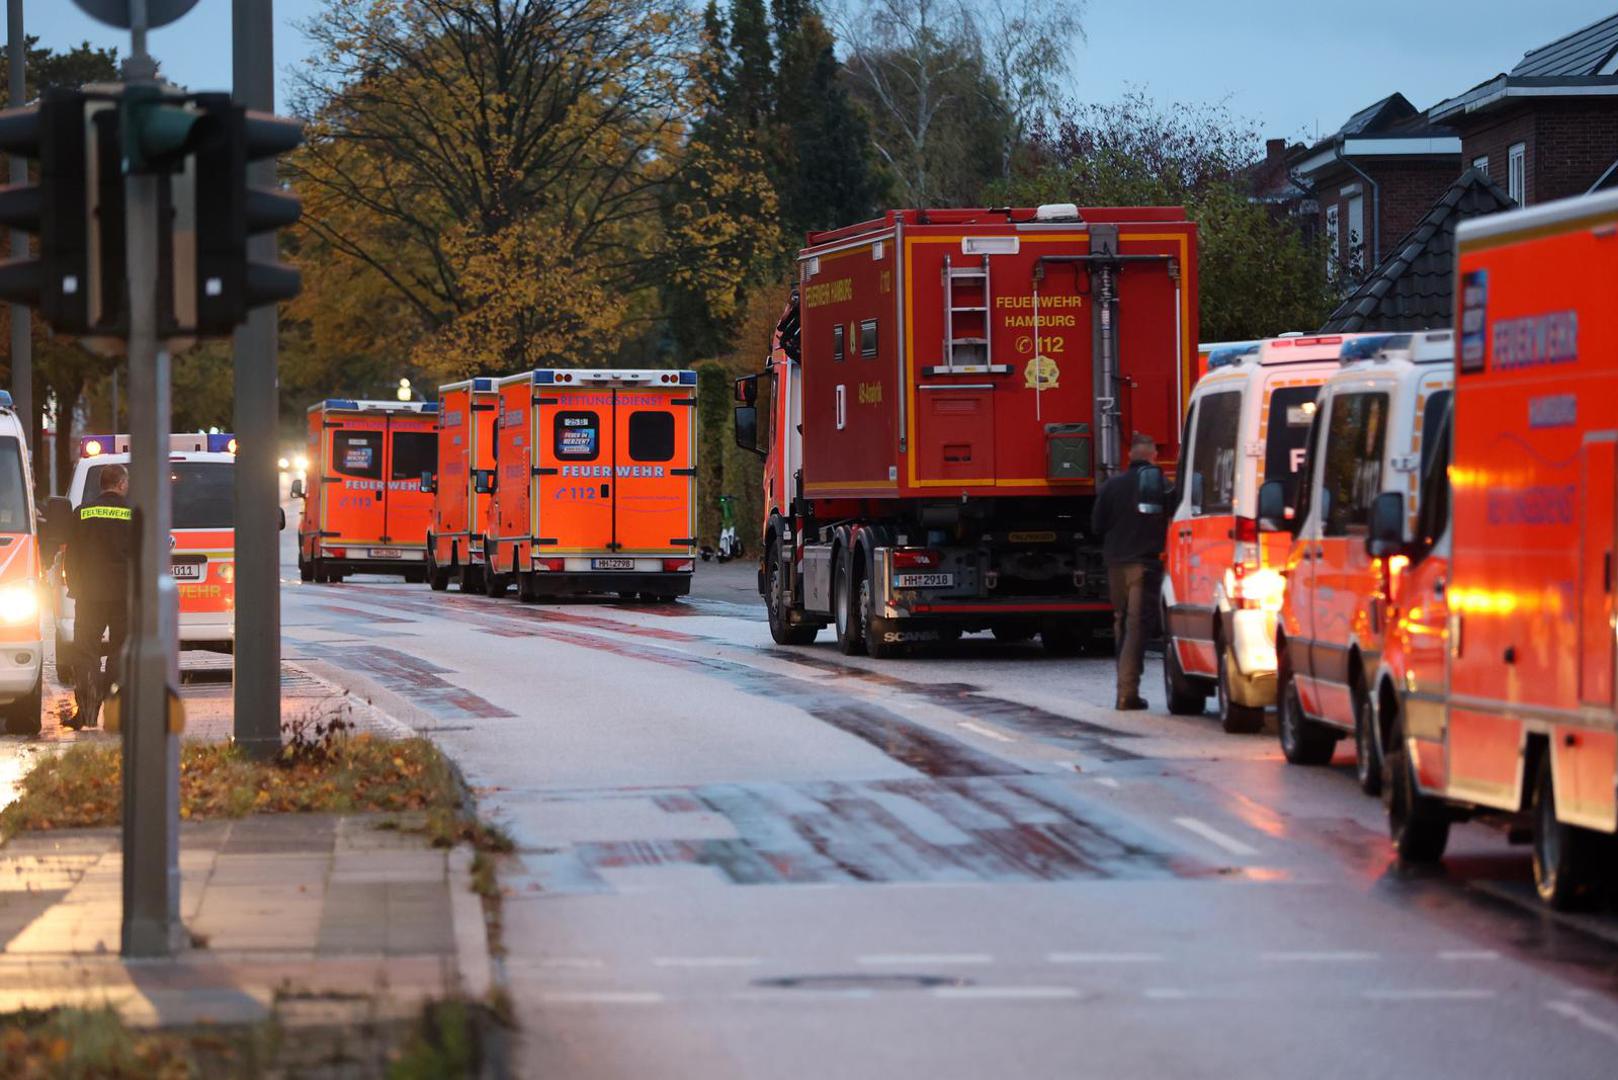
(1272, 507)
(747, 389)
(483, 481)
(58, 520)
(282, 511)
(1151, 490)
(429, 481)
(747, 429)
(297, 487)
(1386, 535)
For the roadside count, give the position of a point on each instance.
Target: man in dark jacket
(1132, 544)
(97, 565)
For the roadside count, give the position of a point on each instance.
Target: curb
(475, 967)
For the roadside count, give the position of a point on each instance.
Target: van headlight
(19, 603)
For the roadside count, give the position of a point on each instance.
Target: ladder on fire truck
(966, 350)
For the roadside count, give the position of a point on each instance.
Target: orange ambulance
(462, 483)
(1377, 420)
(594, 477)
(1496, 687)
(1247, 423)
(365, 509)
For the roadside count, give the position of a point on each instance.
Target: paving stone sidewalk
(312, 918)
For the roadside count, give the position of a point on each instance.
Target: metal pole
(22, 338)
(151, 830)
(258, 488)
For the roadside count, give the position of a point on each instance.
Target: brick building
(1548, 128)
(1375, 177)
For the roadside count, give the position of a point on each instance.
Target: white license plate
(386, 553)
(612, 564)
(188, 571)
(923, 581)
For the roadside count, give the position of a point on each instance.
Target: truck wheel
(850, 627)
(1367, 759)
(782, 630)
(22, 717)
(1417, 824)
(1235, 719)
(1565, 856)
(1185, 697)
(1303, 742)
(437, 576)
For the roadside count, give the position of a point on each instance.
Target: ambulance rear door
(573, 469)
(353, 508)
(412, 450)
(654, 450)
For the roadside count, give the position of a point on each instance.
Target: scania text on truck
(461, 483)
(1496, 688)
(943, 395)
(202, 559)
(1376, 422)
(364, 508)
(1222, 585)
(594, 484)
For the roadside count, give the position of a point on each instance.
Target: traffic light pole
(258, 558)
(151, 829)
(22, 337)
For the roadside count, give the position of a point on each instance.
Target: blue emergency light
(5, 399)
(1226, 357)
(1365, 348)
(221, 443)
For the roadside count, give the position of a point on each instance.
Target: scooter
(730, 545)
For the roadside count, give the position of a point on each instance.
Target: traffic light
(231, 210)
(55, 280)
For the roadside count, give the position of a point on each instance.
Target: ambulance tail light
(336, 553)
(227, 573)
(679, 566)
(1247, 530)
(1261, 589)
(553, 566)
(915, 559)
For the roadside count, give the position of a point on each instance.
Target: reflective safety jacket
(98, 552)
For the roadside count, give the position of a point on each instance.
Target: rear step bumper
(1010, 606)
(578, 582)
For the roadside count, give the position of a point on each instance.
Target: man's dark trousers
(1126, 586)
(92, 618)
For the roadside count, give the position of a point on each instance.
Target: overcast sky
(1293, 66)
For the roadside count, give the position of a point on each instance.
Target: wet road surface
(738, 859)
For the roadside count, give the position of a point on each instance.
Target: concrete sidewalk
(285, 912)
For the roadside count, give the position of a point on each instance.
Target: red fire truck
(1495, 692)
(461, 485)
(942, 397)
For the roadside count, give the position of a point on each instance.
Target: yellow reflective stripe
(116, 513)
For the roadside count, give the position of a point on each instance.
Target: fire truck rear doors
(353, 507)
(412, 450)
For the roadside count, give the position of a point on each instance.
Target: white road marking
(1469, 954)
(986, 732)
(1167, 993)
(570, 962)
(1214, 836)
(1005, 993)
(798, 994)
(1321, 957)
(1104, 958)
(1428, 995)
(876, 959)
(705, 961)
(602, 997)
(1107, 781)
(1578, 1015)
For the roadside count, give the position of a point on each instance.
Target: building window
(1481, 164)
(1331, 241)
(1517, 173)
(1356, 232)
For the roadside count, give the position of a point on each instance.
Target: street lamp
(405, 393)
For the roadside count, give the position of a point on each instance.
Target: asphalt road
(737, 859)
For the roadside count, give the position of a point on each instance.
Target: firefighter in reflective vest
(97, 564)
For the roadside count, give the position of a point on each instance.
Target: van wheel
(782, 629)
(437, 576)
(1186, 698)
(1565, 856)
(1235, 719)
(306, 569)
(1367, 759)
(494, 585)
(850, 627)
(22, 717)
(1303, 742)
(471, 579)
(318, 570)
(1417, 824)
